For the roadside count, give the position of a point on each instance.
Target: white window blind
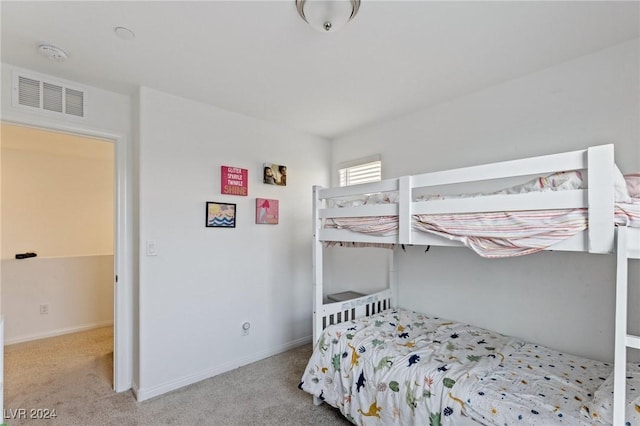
(360, 172)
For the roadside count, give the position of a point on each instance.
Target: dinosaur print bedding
(401, 367)
(536, 385)
(405, 368)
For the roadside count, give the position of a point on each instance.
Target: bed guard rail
(598, 197)
(597, 161)
(348, 310)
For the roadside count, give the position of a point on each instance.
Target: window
(360, 171)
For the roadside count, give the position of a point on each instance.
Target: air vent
(29, 92)
(47, 95)
(52, 97)
(74, 102)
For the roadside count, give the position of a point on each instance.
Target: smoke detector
(52, 52)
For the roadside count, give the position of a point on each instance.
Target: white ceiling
(260, 59)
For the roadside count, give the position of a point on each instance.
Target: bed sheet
(625, 188)
(600, 409)
(509, 234)
(499, 234)
(535, 385)
(495, 234)
(401, 367)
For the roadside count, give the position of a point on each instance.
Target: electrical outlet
(152, 248)
(44, 309)
(245, 328)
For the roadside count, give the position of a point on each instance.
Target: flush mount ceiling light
(124, 33)
(327, 15)
(52, 52)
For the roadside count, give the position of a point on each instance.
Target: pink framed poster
(234, 181)
(267, 211)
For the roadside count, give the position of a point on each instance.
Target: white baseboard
(58, 332)
(135, 388)
(144, 394)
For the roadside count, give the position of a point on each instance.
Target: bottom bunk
(403, 367)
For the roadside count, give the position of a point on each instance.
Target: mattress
(536, 385)
(400, 367)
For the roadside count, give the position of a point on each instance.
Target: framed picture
(234, 181)
(220, 215)
(267, 211)
(274, 174)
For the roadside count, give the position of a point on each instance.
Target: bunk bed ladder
(317, 267)
(622, 339)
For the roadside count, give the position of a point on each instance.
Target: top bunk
(570, 201)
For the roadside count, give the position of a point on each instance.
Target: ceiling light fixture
(327, 15)
(124, 33)
(52, 52)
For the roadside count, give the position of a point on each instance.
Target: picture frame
(274, 174)
(234, 181)
(220, 215)
(267, 211)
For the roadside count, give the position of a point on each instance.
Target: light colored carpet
(73, 375)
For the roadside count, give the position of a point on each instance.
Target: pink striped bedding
(508, 234)
(496, 234)
(499, 234)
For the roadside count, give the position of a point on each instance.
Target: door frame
(122, 242)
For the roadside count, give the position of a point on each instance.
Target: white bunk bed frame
(600, 237)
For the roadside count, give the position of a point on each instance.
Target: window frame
(348, 167)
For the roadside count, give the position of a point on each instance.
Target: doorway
(109, 249)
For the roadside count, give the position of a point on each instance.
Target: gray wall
(206, 282)
(562, 300)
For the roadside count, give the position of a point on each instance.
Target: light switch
(152, 248)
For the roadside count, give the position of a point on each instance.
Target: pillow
(571, 180)
(600, 409)
(382, 198)
(620, 187)
(633, 184)
(559, 181)
(361, 200)
(348, 202)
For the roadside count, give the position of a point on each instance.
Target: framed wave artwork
(221, 215)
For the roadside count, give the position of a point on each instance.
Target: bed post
(404, 210)
(317, 267)
(620, 357)
(601, 199)
(392, 279)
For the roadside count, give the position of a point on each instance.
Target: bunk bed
(383, 365)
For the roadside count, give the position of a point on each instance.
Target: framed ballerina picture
(221, 215)
(267, 211)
